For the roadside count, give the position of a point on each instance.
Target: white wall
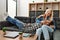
(11, 9)
(23, 6)
(2, 9)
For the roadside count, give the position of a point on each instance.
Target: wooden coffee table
(17, 38)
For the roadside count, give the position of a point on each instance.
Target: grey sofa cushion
(31, 27)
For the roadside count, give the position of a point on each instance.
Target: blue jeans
(16, 22)
(45, 30)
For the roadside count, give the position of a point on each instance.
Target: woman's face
(48, 12)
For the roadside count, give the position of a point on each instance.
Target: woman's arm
(46, 22)
(39, 16)
(50, 20)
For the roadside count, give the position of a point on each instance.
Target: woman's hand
(46, 22)
(42, 22)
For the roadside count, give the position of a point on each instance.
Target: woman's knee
(44, 26)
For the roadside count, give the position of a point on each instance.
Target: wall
(11, 9)
(23, 6)
(2, 9)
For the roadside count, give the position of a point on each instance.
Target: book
(11, 34)
(26, 34)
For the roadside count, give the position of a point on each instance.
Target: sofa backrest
(26, 19)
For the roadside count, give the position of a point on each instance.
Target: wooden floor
(56, 36)
(18, 38)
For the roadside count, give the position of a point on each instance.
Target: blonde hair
(51, 14)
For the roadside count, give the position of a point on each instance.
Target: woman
(48, 17)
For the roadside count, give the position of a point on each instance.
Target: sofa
(25, 20)
(12, 26)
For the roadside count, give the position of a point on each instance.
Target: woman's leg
(19, 24)
(49, 28)
(45, 32)
(16, 22)
(38, 33)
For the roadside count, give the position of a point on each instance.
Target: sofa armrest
(5, 24)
